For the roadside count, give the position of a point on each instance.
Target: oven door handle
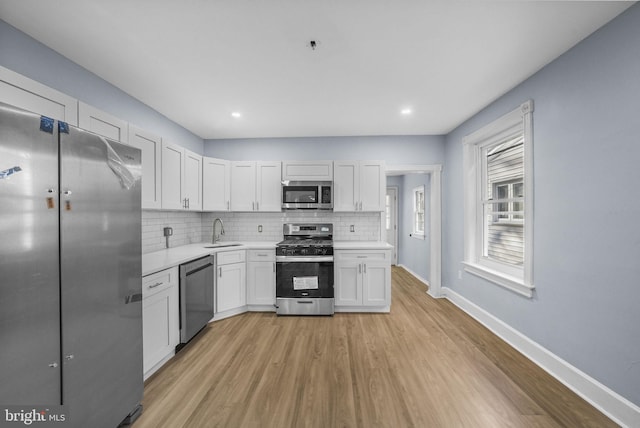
(320, 259)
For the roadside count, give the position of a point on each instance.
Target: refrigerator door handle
(132, 298)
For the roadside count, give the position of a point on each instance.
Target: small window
(418, 212)
(498, 215)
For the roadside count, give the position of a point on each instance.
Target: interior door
(29, 279)
(100, 238)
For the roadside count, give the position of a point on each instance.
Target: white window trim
(418, 234)
(519, 280)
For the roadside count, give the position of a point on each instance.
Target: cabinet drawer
(159, 281)
(370, 255)
(229, 257)
(262, 255)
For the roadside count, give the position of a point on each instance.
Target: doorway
(434, 258)
(391, 221)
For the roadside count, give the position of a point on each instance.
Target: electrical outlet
(259, 228)
(352, 228)
(459, 274)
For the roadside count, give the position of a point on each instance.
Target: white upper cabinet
(95, 120)
(216, 184)
(192, 184)
(151, 147)
(27, 94)
(255, 186)
(373, 186)
(181, 178)
(359, 186)
(307, 170)
(268, 186)
(172, 176)
(243, 186)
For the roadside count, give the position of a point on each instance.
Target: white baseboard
(159, 364)
(230, 313)
(418, 277)
(616, 407)
(363, 309)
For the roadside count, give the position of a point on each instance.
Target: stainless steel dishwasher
(196, 297)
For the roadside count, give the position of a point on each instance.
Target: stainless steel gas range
(304, 270)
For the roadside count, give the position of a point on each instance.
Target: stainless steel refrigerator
(70, 272)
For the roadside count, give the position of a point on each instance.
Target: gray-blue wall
(25, 55)
(587, 207)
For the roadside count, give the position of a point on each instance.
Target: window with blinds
(503, 201)
(498, 205)
(418, 212)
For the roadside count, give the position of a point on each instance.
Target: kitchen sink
(221, 245)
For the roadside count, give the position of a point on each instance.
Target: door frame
(435, 223)
(394, 257)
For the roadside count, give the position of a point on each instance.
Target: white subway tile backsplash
(193, 227)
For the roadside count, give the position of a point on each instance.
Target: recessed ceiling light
(406, 111)
(236, 114)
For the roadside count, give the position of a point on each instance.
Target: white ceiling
(197, 61)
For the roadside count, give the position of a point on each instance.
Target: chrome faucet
(217, 237)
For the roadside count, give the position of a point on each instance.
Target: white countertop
(170, 257)
(361, 245)
(165, 259)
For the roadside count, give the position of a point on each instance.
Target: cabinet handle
(274, 267)
(220, 272)
(253, 206)
(257, 206)
(188, 203)
(360, 268)
(228, 205)
(157, 284)
(53, 365)
(365, 267)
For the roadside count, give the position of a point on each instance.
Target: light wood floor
(426, 364)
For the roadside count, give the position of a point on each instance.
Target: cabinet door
(346, 186)
(307, 170)
(102, 123)
(268, 186)
(151, 147)
(231, 287)
(160, 326)
(216, 186)
(348, 284)
(261, 283)
(27, 94)
(192, 190)
(372, 186)
(243, 186)
(376, 284)
(172, 176)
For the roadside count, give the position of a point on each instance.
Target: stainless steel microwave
(307, 195)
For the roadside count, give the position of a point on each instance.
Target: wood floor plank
(425, 364)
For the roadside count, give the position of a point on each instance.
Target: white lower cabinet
(160, 322)
(231, 280)
(261, 278)
(363, 279)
